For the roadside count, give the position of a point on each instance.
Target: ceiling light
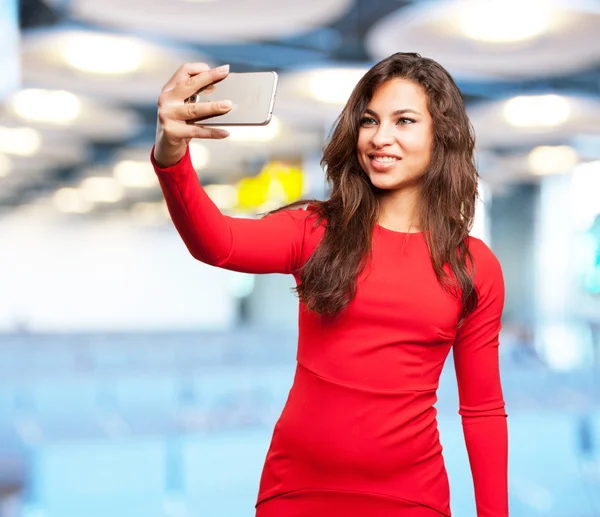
(135, 174)
(5, 165)
(199, 154)
(150, 213)
(102, 190)
(102, 54)
(57, 107)
(334, 85)
(504, 22)
(255, 133)
(71, 200)
(557, 159)
(536, 111)
(22, 141)
(224, 196)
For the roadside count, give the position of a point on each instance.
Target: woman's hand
(173, 132)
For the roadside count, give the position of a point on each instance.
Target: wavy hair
(448, 193)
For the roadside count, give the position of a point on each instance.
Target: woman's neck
(398, 210)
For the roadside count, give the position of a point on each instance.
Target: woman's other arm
(482, 405)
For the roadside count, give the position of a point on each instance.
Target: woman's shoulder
(307, 217)
(302, 213)
(485, 261)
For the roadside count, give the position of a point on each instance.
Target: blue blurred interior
(179, 424)
(136, 382)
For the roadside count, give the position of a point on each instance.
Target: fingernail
(225, 105)
(224, 68)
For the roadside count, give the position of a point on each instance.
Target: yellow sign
(277, 182)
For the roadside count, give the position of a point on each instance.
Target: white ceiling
(433, 29)
(44, 66)
(492, 129)
(98, 120)
(172, 32)
(210, 21)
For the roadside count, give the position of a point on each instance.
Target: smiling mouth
(384, 159)
(383, 163)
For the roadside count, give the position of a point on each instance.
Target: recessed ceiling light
(224, 196)
(57, 107)
(149, 213)
(102, 54)
(22, 141)
(135, 174)
(5, 165)
(334, 85)
(255, 133)
(71, 200)
(504, 22)
(102, 190)
(536, 111)
(199, 154)
(557, 159)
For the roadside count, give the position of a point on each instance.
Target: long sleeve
(480, 393)
(272, 244)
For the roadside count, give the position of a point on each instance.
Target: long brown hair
(448, 192)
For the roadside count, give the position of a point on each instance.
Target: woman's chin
(392, 182)
(385, 183)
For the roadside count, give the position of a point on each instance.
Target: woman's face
(395, 138)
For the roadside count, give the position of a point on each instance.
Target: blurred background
(135, 381)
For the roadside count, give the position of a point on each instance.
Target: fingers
(183, 89)
(179, 131)
(211, 132)
(174, 115)
(199, 110)
(185, 72)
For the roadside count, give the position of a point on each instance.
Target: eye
(406, 121)
(367, 121)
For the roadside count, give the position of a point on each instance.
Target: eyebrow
(397, 112)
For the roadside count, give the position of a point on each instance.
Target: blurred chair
(221, 472)
(98, 478)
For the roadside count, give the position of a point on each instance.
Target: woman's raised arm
(272, 244)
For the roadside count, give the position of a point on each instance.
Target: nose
(383, 136)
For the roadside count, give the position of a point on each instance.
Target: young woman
(389, 281)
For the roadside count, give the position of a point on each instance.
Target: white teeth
(385, 159)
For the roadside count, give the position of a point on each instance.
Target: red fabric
(333, 503)
(360, 417)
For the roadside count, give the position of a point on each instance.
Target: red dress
(358, 435)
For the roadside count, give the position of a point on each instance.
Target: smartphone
(252, 95)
